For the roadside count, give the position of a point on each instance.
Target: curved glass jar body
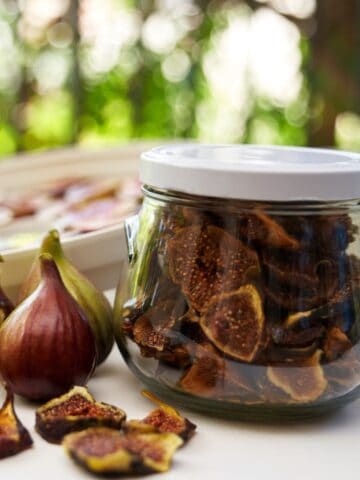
(243, 309)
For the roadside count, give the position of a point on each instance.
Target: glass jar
(242, 296)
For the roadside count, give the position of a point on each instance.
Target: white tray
(101, 254)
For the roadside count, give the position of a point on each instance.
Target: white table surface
(327, 449)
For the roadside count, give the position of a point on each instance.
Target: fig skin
(75, 411)
(14, 438)
(46, 344)
(164, 419)
(107, 452)
(94, 303)
(6, 306)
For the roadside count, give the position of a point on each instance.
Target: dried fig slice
(206, 374)
(14, 438)
(105, 451)
(151, 330)
(336, 343)
(74, 411)
(162, 419)
(297, 338)
(283, 354)
(148, 337)
(344, 372)
(297, 281)
(303, 382)
(326, 234)
(234, 322)
(207, 261)
(265, 231)
(213, 376)
(338, 305)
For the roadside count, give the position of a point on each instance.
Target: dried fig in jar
(104, 451)
(262, 230)
(336, 343)
(234, 323)
(213, 376)
(153, 330)
(304, 381)
(343, 373)
(207, 261)
(14, 438)
(322, 234)
(297, 281)
(74, 411)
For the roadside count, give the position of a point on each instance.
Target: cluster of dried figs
(97, 436)
(247, 306)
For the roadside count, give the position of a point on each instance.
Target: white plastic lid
(252, 172)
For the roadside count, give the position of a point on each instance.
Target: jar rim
(303, 208)
(253, 172)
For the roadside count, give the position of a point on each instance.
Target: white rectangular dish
(100, 254)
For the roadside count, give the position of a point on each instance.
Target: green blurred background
(100, 72)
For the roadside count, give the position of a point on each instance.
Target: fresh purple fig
(46, 343)
(6, 306)
(94, 303)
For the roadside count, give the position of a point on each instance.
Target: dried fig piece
(164, 419)
(336, 343)
(314, 232)
(303, 382)
(215, 377)
(265, 231)
(14, 438)
(292, 337)
(151, 331)
(339, 305)
(74, 411)
(234, 322)
(297, 281)
(207, 261)
(344, 372)
(104, 451)
(150, 338)
(206, 373)
(178, 356)
(283, 354)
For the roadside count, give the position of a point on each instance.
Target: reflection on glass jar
(246, 308)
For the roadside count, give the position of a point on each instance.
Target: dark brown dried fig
(303, 382)
(14, 438)
(206, 373)
(213, 376)
(296, 337)
(152, 331)
(297, 281)
(104, 451)
(323, 234)
(74, 411)
(207, 261)
(234, 322)
(162, 419)
(264, 230)
(336, 343)
(344, 372)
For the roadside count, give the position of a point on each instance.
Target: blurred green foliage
(100, 72)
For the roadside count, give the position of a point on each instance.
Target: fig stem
(51, 244)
